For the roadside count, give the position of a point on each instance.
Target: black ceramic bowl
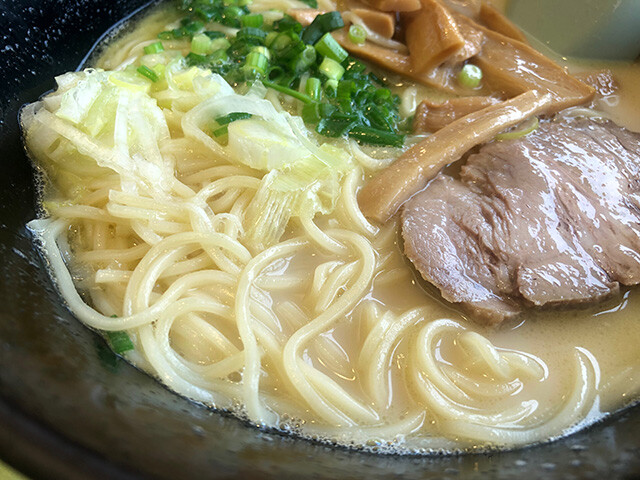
(69, 409)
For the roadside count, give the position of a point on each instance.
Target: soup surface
(328, 332)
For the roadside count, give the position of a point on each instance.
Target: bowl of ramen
(286, 239)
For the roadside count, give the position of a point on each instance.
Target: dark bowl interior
(70, 409)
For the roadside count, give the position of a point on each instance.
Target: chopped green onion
(276, 73)
(220, 44)
(312, 87)
(343, 94)
(256, 63)
(345, 88)
(312, 34)
(382, 95)
(148, 73)
(331, 87)
(339, 94)
(152, 48)
(191, 27)
(120, 342)
(530, 126)
(271, 36)
(357, 34)
(288, 91)
(470, 76)
(263, 50)
(179, 33)
(330, 21)
(322, 24)
(304, 60)
(330, 48)
(326, 110)
(311, 113)
(251, 34)
(219, 56)
(254, 20)
(281, 41)
(332, 69)
(287, 23)
(206, 13)
(214, 35)
(337, 124)
(287, 45)
(201, 44)
(232, 117)
(380, 117)
(195, 59)
(109, 359)
(376, 137)
(221, 131)
(231, 15)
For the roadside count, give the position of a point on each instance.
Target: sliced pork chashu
(549, 219)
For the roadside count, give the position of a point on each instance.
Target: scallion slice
(256, 63)
(220, 44)
(271, 36)
(330, 21)
(120, 342)
(312, 87)
(152, 48)
(201, 44)
(470, 76)
(251, 34)
(219, 56)
(286, 24)
(330, 48)
(214, 34)
(327, 22)
(254, 20)
(231, 16)
(191, 27)
(195, 59)
(263, 50)
(304, 60)
(357, 34)
(148, 73)
(332, 69)
(287, 46)
(311, 113)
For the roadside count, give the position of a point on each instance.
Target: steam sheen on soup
(154, 230)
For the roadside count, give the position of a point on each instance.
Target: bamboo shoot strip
(389, 189)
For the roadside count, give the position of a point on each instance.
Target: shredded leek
(308, 186)
(114, 120)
